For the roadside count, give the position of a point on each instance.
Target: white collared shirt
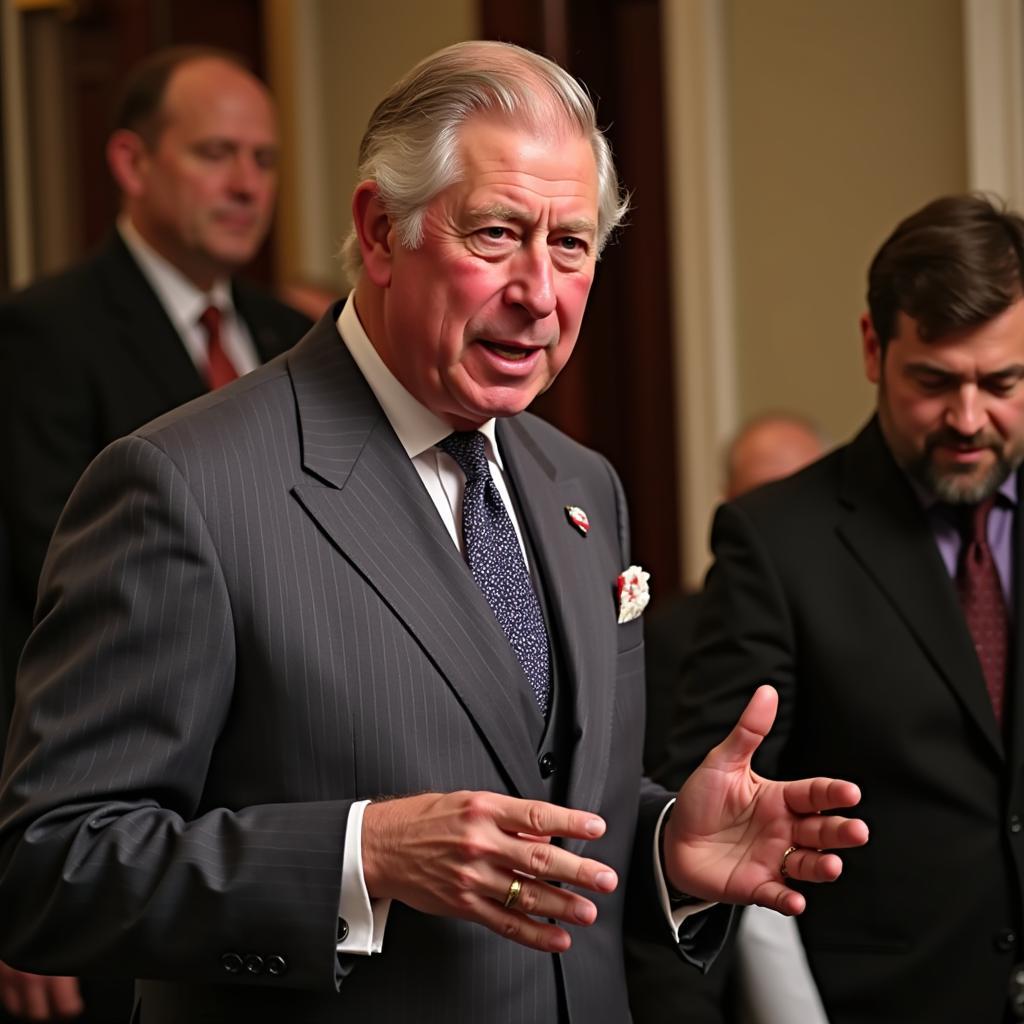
(419, 430)
(184, 303)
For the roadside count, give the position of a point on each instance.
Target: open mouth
(512, 352)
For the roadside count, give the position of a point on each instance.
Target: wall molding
(994, 97)
(701, 236)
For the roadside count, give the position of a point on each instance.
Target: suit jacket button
(1005, 939)
(548, 765)
(342, 929)
(277, 965)
(254, 964)
(1015, 825)
(231, 962)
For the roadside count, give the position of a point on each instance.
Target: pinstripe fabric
(253, 616)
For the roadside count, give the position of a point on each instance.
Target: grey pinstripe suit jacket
(252, 615)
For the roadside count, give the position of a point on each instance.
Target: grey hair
(410, 148)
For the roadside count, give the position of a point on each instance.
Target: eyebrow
(1011, 370)
(500, 211)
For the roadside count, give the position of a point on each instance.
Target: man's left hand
(729, 831)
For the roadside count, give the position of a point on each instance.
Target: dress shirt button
(548, 765)
(254, 964)
(277, 965)
(231, 962)
(1015, 823)
(342, 929)
(1005, 939)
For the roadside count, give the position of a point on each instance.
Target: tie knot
(975, 521)
(210, 319)
(466, 447)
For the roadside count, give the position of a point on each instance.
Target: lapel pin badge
(633, 592)
(577, 519)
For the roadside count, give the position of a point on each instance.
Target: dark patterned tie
(981, 597)
(496, 561)
(219, 369)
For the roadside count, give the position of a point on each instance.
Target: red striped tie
(219, 369)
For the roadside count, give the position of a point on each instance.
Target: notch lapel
(887, 531)
(369, 500)
(581, 604)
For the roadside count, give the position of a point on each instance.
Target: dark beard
(960, 488)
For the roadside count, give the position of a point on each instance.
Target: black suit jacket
(830, 585)
(87, 357)
(252, 615)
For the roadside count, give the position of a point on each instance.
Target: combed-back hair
(411, 145)
(957, 262)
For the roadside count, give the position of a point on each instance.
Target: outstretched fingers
(808, 796)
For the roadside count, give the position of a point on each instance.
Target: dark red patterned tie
(981, 597)
(219, 369)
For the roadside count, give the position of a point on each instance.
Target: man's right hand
(456, 855)
(39, 996)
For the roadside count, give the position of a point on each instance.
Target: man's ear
(375, 232)
(872, 348)
(127, 155)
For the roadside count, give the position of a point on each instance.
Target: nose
(246, 177)
(532, 284)
(966, 412)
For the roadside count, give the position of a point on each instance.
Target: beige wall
(844, 117)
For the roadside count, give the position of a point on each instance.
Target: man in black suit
(352, 648)
(95, 352)
(879, 590)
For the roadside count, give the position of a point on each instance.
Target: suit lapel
(143, 328)
(371, 503)
(887, 531)
(580, 602)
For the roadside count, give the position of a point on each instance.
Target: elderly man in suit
(879, 590)
(334, 709)
(151, 320)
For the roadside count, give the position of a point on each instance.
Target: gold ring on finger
(512, 896)
(785, 857)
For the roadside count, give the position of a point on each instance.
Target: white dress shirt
(184, 304)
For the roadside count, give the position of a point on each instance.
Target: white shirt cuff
(674, 915)
(365, 918)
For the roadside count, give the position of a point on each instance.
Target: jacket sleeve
(109, 859)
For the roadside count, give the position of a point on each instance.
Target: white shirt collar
(416, 426)
(182, 300)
